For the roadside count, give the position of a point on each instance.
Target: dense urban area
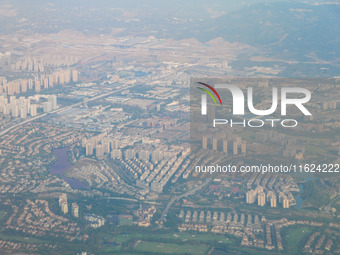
(97, 154)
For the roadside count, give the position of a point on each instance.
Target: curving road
(188, 193)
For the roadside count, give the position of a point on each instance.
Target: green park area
(171, 243)
(295, 238)
(2, 215)
(171, 248)
(20, 238)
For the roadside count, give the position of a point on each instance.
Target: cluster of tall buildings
(5, 58)
(330, 105)
(38, 65)
(263, 198)
(95, 221)
(64, 206)
(22, 107)
(143, 155)
(235, 146)
(99, 145)
(164, 123)
(152, 154)
(38, 82)
(153, 166)
(51, 103)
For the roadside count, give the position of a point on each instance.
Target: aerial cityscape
(112, 142)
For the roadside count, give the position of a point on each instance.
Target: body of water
(219, 251)
(62, 165)
(298, 198)
(110, 244)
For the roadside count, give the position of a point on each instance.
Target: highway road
(188, 193)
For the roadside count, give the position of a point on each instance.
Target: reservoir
(61, 165)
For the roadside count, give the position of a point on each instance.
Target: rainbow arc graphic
(204, 97)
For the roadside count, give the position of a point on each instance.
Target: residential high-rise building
(37, 86)
(30, 83)
(63, 203)
(144, 155)
(205, 142)
(225, 146)
(64, 207)
(61, 78)
(130, 154)
(235, 147)
(67, 74)
(273, 202)
(56, 78)
(261, 199)
(116, 154)
(45, 83)
(24, 85)
(50, 81)
(62, 197)
(259, 189)
(250, 196)
(107, 147)
(15, 111)
(285, 203)
(215, 144)
(244, 147)
(33, 110)
(114, 145)
(23, 112)
(47, 106)
(75, 210)
(75, 76)
(53, 100)
(100, 151)
(89, 149)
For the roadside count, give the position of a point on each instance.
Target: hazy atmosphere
(169, 127)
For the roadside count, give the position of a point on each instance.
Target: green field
(20, 238)
(171, 248)
(177, 239)
(295, 238)
(2, 215)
